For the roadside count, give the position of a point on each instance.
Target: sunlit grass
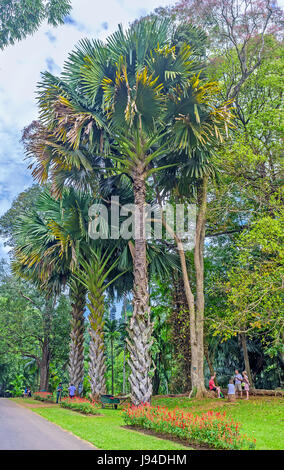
(105, 432)
(261, 418)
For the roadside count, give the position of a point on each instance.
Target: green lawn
(261, 418)
(105, 431)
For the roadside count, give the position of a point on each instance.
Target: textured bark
(199, 274)
(196, 305)
(180, 335)
(208, 359)
(246, 358)
(45, 345)
(195, 312)
(140, 361)
(76, 354)
(97, 363)
(140, 328)
(44, 365)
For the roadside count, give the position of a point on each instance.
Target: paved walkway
(21, 429)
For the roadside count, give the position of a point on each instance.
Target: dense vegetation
(177, 109)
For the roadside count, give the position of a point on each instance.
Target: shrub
(212, 429)
(80, 404)
(43, 396)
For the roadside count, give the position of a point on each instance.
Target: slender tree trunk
(180, 334)
(199, 274)
(45, 348)
(196, 309)
(76, 354)
(246, 357)
(195, 318)
(112, 368)
(140, 328)
(44, 365)
(124, 348)
(208, 359)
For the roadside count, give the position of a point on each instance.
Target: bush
(80, 404)
(212, 429)
(43, 396)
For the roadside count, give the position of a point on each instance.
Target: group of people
(59, 391)
(236, 386)
(27, 392)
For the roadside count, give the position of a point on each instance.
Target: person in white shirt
(231, 391)
(238, 382)
(72, 390)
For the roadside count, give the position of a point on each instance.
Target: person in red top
(212, 385)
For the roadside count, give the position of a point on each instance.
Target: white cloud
(21, 64)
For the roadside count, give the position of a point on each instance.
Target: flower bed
(211, 429)
(80, 404)
(44, 396)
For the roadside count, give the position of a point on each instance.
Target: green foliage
(20, 19)
(255, 284)
(17, 386)
(25, 321)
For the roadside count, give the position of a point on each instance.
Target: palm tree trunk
(140, 328)
(97, 364)
(76, 353)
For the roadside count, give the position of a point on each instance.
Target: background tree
(20, 19)
(32, 327)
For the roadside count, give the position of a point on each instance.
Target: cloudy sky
(20, 68)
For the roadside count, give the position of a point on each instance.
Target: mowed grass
(104, 432)
(261, 418)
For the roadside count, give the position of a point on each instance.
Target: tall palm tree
(97, 273)
(42, 250)
(132, 101)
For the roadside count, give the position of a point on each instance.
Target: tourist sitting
(213, 387)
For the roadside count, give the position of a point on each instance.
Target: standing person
(238, 382)
(72, 390)
(59, 392)
(212, 385)
(231, 391)
(246, 383)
